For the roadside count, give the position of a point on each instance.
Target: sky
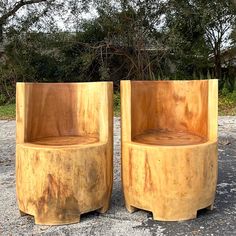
(62, 25)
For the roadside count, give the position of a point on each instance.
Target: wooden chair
(169, 146)
(64, 151)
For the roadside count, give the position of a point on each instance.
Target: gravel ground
(117, 221)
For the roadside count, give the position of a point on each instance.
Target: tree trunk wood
(169, 147)
(64, 154)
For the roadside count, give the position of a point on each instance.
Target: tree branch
(16, 7)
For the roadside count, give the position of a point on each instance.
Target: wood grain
(66, 140)
(169, 147)
(61, 110)
(64, 154)
(168, 137)
(172, 105)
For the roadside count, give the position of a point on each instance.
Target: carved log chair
(169, 146)
(64, 150)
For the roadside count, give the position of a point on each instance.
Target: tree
(218, 18)
(7, 12)
(233, 33)
(130, 31)
(203, 23)
(23, 14)
(185, 38)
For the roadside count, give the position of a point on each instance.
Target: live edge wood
(169, 146)
(64, 154)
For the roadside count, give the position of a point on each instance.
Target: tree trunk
(1, 40)
(218, 71)
(218, 67)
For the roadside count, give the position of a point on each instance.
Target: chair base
(61, 219)
(56, 184)
(173, 182)
(185, 216)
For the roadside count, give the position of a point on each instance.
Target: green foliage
(93, 31)
(3, 99)
(196, 31)
(49, 57)
(7, 84)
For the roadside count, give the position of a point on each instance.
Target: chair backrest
(63, 109)
(170, 105)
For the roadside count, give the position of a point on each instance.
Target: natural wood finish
(170, 105)
(213, 110)
(66, 140)
(168, 138)
(64, 151)
(169, 146)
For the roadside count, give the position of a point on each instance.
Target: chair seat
(168, 138)
(66, 140)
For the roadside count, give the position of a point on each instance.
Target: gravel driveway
(117, 221)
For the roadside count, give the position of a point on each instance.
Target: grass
(116, 100)
(227, 106)
(7, 112)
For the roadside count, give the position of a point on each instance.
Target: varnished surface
(66, 140)
(169, 138)
(169, 147)
(64, 154)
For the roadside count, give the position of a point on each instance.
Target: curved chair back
(170, 105)
(63, 109)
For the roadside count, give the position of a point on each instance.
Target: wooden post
(64, 158)
(169, 155)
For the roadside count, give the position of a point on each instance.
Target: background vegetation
(137, 40)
